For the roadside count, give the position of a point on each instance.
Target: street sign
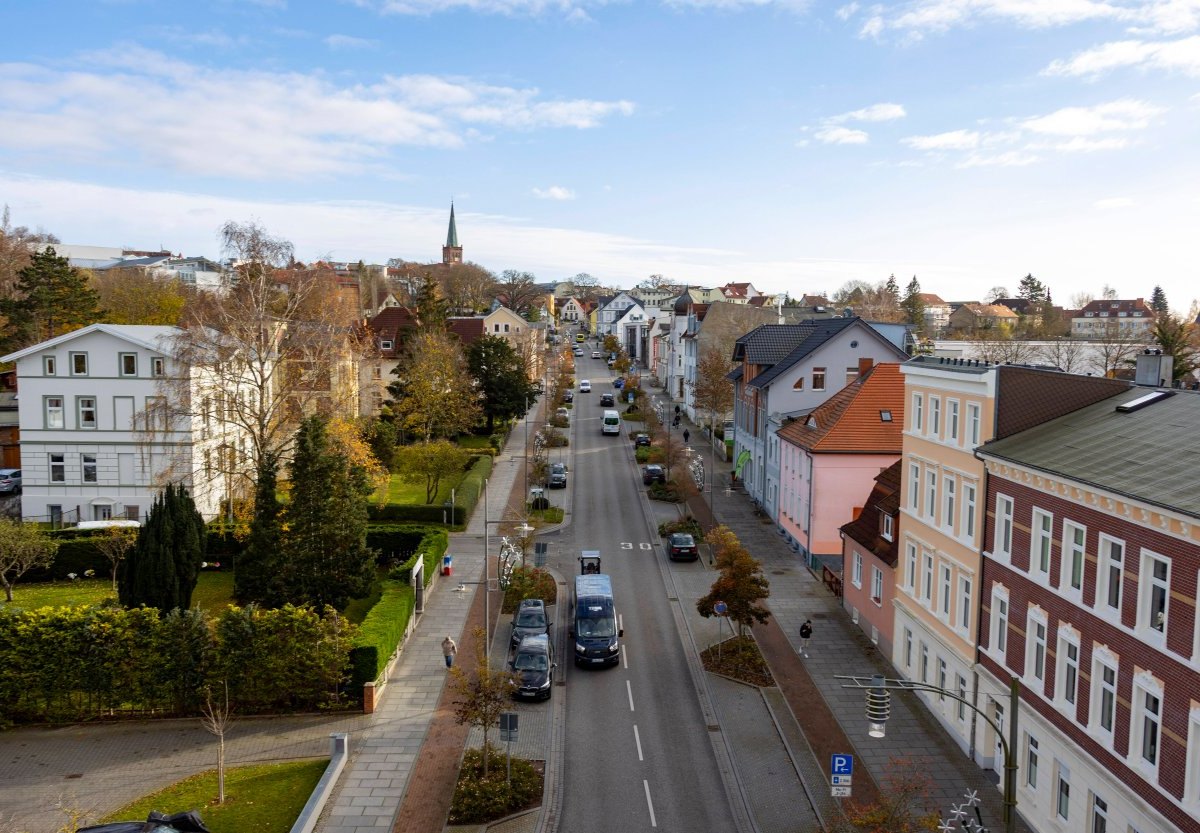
(720, 608)
(841, 780)
(839, 792)
(508, 726)
(842, 765)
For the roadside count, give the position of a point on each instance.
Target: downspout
(808, 521)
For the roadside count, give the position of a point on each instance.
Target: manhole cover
(75, 775)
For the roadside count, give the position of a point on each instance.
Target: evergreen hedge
(380, 633)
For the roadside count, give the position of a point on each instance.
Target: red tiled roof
(851, 421)
(884, 500)
(391, 324)
(468, 329)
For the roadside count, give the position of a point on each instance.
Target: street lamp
(878, 691)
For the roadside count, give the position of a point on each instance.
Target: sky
(795, 145)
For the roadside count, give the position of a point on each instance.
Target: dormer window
(385, 344)
(886, 526)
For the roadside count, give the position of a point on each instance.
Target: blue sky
(795, 145)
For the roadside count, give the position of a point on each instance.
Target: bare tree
(713, 392)
(995, 293)
(115, 543)
(997, 345)
(1067, 354)
(17, 245)
(1108, 293)
(519, 289)
(467, 287)
(483, 693)
(215, 718)
(1081, 299)
(1114, 349)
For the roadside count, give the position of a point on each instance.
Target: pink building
(869, 560)
(829, 459)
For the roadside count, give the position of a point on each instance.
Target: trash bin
(447, 564)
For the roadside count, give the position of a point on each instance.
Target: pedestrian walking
(449, 649)
(686, 435)
(805, 635)
(676, 422)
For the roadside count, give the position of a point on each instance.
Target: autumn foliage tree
(740, 583)
(483, 693)
(434, 395)
(431, 463)
(136, 296)
(23, 547)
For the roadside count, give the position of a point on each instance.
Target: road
(638, 752)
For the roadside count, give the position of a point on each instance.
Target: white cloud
(137, 106)
(1008, 159)
(572, 9)
(1120, 115)
(953, 140)
(554, 192)
(1113, 203)
(349, 42)
(1168, 56)
(833, 135)
(846, 12)
(872, 28)
(876, 112)
(1079, 144)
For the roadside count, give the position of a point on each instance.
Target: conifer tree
(326, 558)
(257, 576)
(164, 566)
(1031, 289)
(912, 306)
(1158, 302)
(50, 298)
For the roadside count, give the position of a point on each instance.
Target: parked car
(619, 382)
(578, 351)
(568, 396)
(642, 439)
(533, 664)
(10, 480)
(563, 413)
(595, 354)
(682, 546)
(558, 476)
(606, 400)
(529, 620)
(585, 386)
(653, 473)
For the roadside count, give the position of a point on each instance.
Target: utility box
(447, 564)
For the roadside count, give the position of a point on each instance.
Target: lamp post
(878, 692)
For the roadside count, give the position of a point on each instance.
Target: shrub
(539, 504)
(380, 633)
(668, 492)
(396, 542)
(431, 548)
(556, 440)
(529, 583)
(477, 800)
(560, 421)
(76, 555)
(686, 524)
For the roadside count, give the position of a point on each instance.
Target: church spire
(452, 252)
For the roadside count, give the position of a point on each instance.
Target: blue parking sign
(842, 765)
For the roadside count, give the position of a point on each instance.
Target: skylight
(885, 416)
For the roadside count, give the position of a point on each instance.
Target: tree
(586, 287)
(878, 302)
(997, 345)
(429, 304)
(1067, 354)
(326, 558)
(434, 394)
(137, 296)
(468, 287)
(996, 293)
(502, 376)
(1158, 301)
(1079, 300)
(912, 305)
(430, 463)
(905, 804)
(17, 245)
(519, 289)
(51, 297)
(1108, 293)
(1176, 337)
(257, 577)
(115, 542)
(1114, 349)
(164, 566)
(891, 291)
(215, 718)
(483, 693)
(1031, 289)
(713, 392)
(380, 435)
(23, 547)
(740, 584)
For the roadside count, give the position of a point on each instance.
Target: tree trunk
(221, 769)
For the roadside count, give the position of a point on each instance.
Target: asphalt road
(638, 753)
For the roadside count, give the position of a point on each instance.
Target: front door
(998, 752)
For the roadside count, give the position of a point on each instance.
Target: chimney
(864, 365)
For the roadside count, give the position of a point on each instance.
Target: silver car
(10, 481)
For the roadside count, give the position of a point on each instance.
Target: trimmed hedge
(76, 554)
(380, 633)
(466, 496)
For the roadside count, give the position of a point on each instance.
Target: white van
(611, 423)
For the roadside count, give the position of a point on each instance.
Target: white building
(99, 434)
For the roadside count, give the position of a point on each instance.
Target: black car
(606, 400)
(533, 665)
(529, 620)
(654, 473)
(568, 396)
(558, 476)
(642, 439)
(682, 546)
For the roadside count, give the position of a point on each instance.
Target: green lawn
(399, 492)
(475, 443)
(258, 799)
(213, 591)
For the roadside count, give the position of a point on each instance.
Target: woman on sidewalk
(449, 649)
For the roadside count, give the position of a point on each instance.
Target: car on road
(619, 382)
(558, 476)
(585, 386)
(568, 396)
(578, 351)
(595, 354)
(642, 439)
(653, 473)
(10, 480)
(606, 400)
(563, 413)
(533, 665)
(682, 546)
(529, 620)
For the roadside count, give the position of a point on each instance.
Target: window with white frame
(973, 424)
(128, 364)
(1154, 588)
(999, 635)
(968, 511)
(818, 378)
(931, 496)
(54, 412)
(1031, 761)
(86, 412)
(1145, 723)
(944, 586)
(1066, 684)
(964, 604)
(910, 567)
(1062, 801)
(49, 366)
(949, 496)
(952, 421)
(1099, 814)
(1191, 776)
(856, 570)
(908, 645)
(1073, 558)
(79, 364)
(914, 488)
(935, 417)
(960, 688)
(886, 526)
(1103, 717)
(1002, 546)
(1035, 648)
(87, 463)
(927, 578)
(918, 417)
(942, 681)
(158, 366)
(58, 468)
(876, 585)
(1110, 575)
(924, 663)
(1040, 541)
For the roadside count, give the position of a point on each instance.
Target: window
(1153, 590)
(1039, 544)
(931, 495)
(960, 688)
(949, 487)
(1062, 804)
(87, 411)
(908, 640)
(914, 488)
(79, 364)
(927, 578)
(133, 512)
(935, 417)
(208, 466)
(1110, 578)
(944, 590)
(798, 384)
(818, 378)
(856, 574)
(87, 463)
(49, 366)
(968, 511)
(128, 363)
(1067, 685)
(910, 567)
(1031, 761)
(1035, 650)
(1099, 815)
(942, 682)
(999, 640)
(54, 412)
(1074, 538)
(952, 420)
(1191, 781)
(886, 526)
(58, 468)
(1146, 720)
(1104, 696)
(924, 663)
(158, 366)
(1004, 527)
(918, 417)
(876, 585)
(964, 603)
(973, 424)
